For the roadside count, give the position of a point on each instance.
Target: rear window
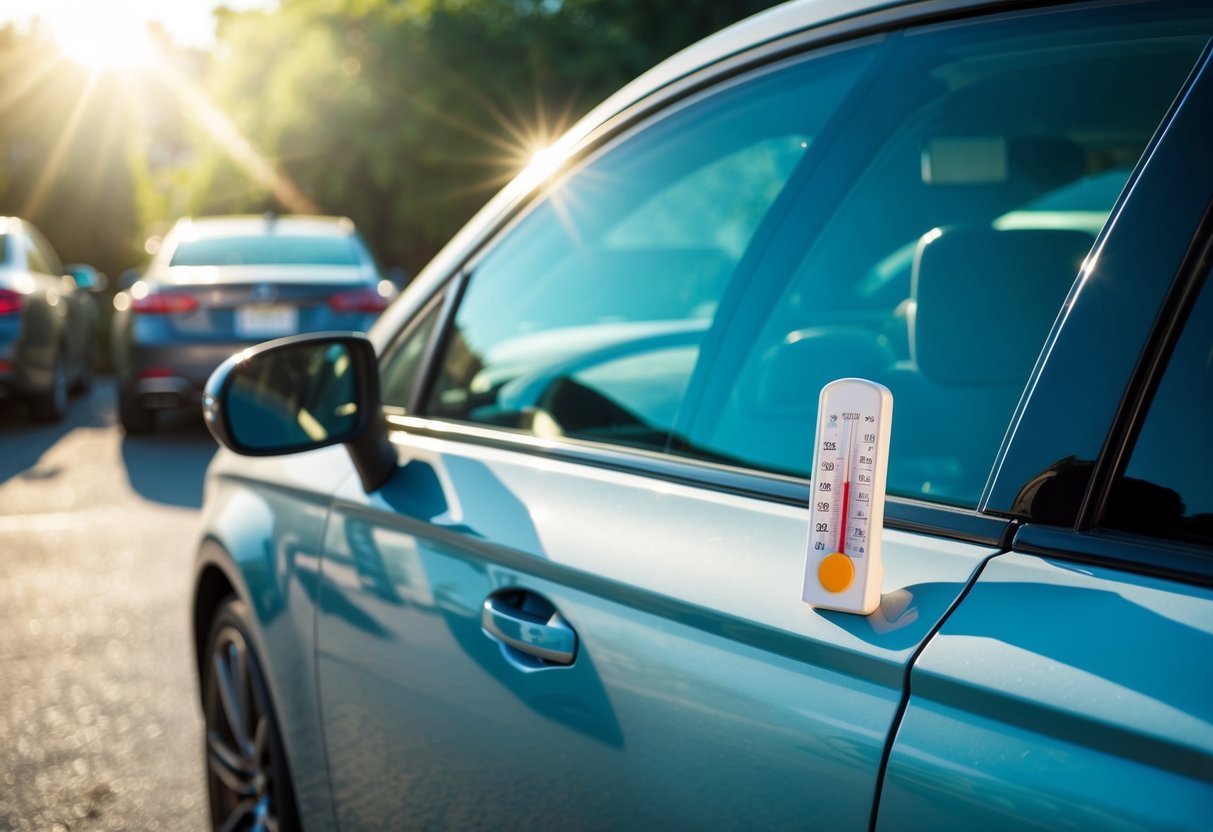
(269, 250)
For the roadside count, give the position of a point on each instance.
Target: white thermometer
(843, 569)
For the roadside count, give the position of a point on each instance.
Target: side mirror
(86, 277)
(299, 394)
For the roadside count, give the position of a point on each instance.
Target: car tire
(136, 419)
(248, 780)
(84, 381)
(52, 405)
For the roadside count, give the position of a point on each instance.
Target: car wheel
(84, 382)
(136, 419)
(247, 776)
(52, 405)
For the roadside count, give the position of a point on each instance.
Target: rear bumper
(172, 375)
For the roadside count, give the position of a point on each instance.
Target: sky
(108, 24)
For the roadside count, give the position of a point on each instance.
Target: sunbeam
(49, 170)
(239, 149)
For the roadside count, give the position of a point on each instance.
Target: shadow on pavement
(23, 442)
(168, 465)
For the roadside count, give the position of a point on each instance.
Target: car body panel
(264, 529)
(1060, 696)
(58, 320)
(673, 633)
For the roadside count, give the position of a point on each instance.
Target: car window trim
(1165, 157)
(442, 301)
(1171, 560)
(901, 513)
(1151, 367)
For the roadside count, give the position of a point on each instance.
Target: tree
(406, 115)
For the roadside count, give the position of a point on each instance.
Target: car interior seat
(982, 303)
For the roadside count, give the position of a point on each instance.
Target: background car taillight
(358, 300)
(164, 303)
(11, 302)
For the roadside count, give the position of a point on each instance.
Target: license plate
(267, 321)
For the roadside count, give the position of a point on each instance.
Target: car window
(961, 200)
(399, 370)
(586, 319)
(1166, 490)
(267, 250)
(911, 210)
(34, 257)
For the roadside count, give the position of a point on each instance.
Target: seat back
(983, 301)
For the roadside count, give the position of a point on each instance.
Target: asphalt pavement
(99, 720)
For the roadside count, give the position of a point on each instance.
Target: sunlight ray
(29, 80)
(238, 148)
(54, 159)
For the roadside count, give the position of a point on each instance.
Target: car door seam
(904, 702)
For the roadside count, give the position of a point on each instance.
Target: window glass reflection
(305, 394)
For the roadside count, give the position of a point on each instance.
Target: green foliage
(65, 146)
(408, 115)
(405, 115)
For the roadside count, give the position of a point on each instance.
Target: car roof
(13, 225)
(763, 27)
(240, 225)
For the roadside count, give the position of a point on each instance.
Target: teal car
(530, 553)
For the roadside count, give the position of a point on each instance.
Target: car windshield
(267, 250)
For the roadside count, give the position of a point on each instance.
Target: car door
(1072, 688)
(74, 329)
(577, 602)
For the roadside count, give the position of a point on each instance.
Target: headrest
(794, 370)
(984, 300)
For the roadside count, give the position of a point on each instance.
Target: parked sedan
(48, 323)
(218, 284)
(535, 553)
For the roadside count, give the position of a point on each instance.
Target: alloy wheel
(248, 786)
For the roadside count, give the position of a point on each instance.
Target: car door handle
(529, 624)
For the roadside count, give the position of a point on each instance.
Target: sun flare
(100, 43)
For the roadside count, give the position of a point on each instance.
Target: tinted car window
(400, 368)
(270, 250)
(586, 320)
(918, 223)
(958, 207)
(1166, 489)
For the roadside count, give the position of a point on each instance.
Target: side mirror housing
(299, 394)
(86, 277)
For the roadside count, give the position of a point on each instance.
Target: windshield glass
(267, 250)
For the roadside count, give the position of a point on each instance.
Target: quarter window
(1166, 489)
